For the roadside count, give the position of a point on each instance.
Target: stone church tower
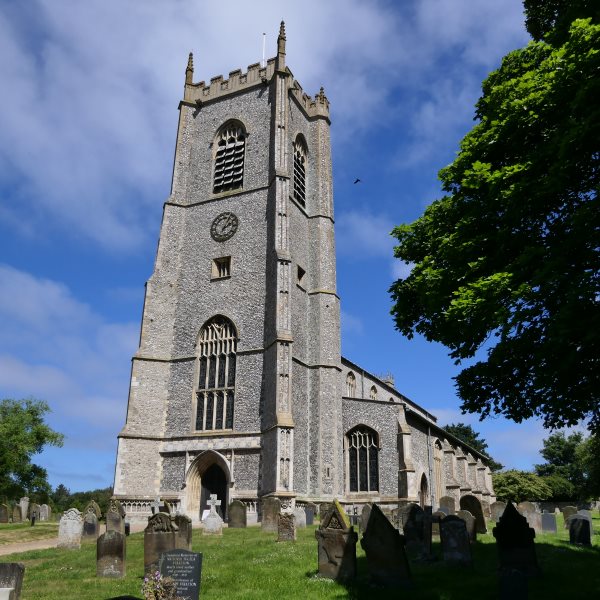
(235, 387)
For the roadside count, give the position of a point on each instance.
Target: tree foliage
(23, 433)
(507, 263)
(550, 19)
(518, 486)
(472, 438)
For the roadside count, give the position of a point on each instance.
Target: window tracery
(363, 460)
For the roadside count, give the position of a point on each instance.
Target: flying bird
(357, 181)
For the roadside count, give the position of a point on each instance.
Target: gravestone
(185, 568)
(469, 520)
(70, 529)
(513, 584)
(472, 504)
(487, 509)
(336, 545)
(384, 546)
(514, 541)
(286, 527)
(44, 512)
(448, 505)
(17, 517)
(270, 513)
(497, 508)
(364, 516)
(3, 513)
(580, 530)
(159, 537)
(213, 524)
(24, 502)
(110, 554)
(91, 528)
(535, 520)
(526, 507)
(92, 506)
(310, 509)
(455, 541)
(568, 511)
(11, 578)
(238, 514)
(300, 517)
(588, 515)
(34, 512)
(323, 508)
(115, 517)
(548, 522)
(417, 540)
(183, 534)
(436, 519)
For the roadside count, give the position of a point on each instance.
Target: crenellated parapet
(313, 107)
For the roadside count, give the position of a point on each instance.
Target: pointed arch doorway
(208, 474)
(213, 481)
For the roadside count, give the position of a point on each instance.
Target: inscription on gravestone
(185, 568)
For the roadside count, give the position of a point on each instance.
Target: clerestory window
(363, 460)
(350, 385)
(300, 171)
(229, 157)
(373, 393)
(215, 389)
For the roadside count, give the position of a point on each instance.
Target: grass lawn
(12, 533)
(248, 564)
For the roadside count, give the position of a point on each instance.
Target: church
(238, 387)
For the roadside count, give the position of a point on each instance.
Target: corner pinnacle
(189, 71)
(281, 47)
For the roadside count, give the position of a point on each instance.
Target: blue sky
(88, 123)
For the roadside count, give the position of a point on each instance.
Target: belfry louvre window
(300, 172)
(363, 460)
(215, 390)
(229, 158)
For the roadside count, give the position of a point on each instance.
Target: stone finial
(189, 71)
(281, 47)
(320, 97)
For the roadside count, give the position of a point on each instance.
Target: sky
(87, 131)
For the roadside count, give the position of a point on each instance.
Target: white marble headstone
(70, 529)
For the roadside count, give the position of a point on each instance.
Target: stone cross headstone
(44, 512)
(469, 520)
(110, 554)
(24, 502)
(185, 568)
(448, 505)
(310, 509)
(183, 534)
(237, 514)
(286, 529)
(497, 508)
(455, 541)
(11, 579)
(270, 513)
(3, 513)
(70, 529)
(17, 517)
(548, 522)
(514, 541)
(300, 517)
(472, 504)
(213, 524)
(580, 530)
(155, 506)
(384, 546)
(336, 545)
(364, 516)
(115, 517)
(159, 537)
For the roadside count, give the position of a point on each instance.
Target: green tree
(506, 264)
(518, 486)
(23, 433)
(562, 489)
(60, 498)
(469, 436)
(588, 456)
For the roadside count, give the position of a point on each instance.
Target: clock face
(224, 226)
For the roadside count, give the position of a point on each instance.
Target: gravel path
(25, 546)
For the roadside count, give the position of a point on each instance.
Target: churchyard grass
(13, 533)
(248, 564)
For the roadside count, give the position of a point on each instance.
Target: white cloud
(350, 324)
(363, 234)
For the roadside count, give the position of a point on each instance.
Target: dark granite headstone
(159, 537)
(472, 504)
(16, 514)
(238, 517)
(455, 541)
(580, 531)
(110, 555)
(384, 547)
(418, 544)
(185, 568)
(183, 534)
(310, 509)
(548, 522)
(3, 513)
(11, 576)
(115, 517)
(514, 541)
(336, 544)
(448, 505)
(286, 527)
(91, 528)
(469, 520)
(270, 513)
(497, 508)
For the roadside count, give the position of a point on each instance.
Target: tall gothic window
(363, 460)
(350, 385)
(229, 157)
(215, 389)
(300, 171)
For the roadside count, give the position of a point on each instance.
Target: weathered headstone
(3, 513)
(514, 541)
(159, 537)
(535, 520)
(300, 517)
(24, 502)
(91, 527)
(44, 512)
(486, 508)
(213, 524)
(115, 517)
(237, 514)
(469, 520)
(384, 547)
(568, 511)
(548, 522)
(11, 579)
(310, 509)
(286, 527)
(580, 531)
(526, 507)
(472, 504)
(364, 516)
(448, 505)
(17, 517)
(92, 506)
(336, 543)
(270, 513)
(70, 529)
(183, 533)
(455, 541)
(110, 554)
(497, 508)
(417, 535)
(185, 568)
(323, 508)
